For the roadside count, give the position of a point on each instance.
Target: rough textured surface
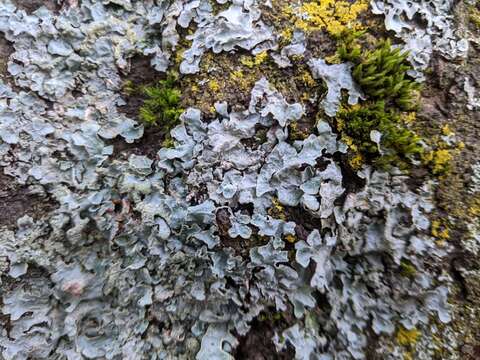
(249, 234)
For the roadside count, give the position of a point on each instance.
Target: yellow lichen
(407, 337)
(194, 88)
(346, 139)
(356, 161)
(243, 81)
(333, 59)
(447, 131)
(409, 118)
(440, 160)
(440, 231)
(287, 35)
(296, 133)
(335, 16)
(291, 238)
(297, 57)
(214, 85)
(474, 208)
(247, 61)
(261, 57)
(277, 210)
(179, 56)
(258, 59)
(307, 79)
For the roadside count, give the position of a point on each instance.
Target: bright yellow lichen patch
(440, 231)
(243, 81)
(296, 133)
(286, 35)
(258, 59)
(356, 161)
(178, 56)
(335, 16)
(195, 88)
(306, 78)
(409, 118)
(444, 148)
(290, 238)
(277, 210)
(406, 337)
(333, 59)
(474, 207)
(447, 131)
(439, 160)
(214, 85)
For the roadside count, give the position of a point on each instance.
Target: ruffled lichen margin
(255, 215)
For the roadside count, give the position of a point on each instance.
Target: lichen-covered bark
(259, 225)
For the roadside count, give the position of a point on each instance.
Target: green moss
(397, 144)
(161, 104)
(348, 45)
(381, 72)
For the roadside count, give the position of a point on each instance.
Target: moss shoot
(381, 72)
(161, 104)
(397, 144)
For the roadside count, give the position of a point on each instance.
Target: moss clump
(382, 72)
(397, 145)
(378, 131)
(161, 104)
